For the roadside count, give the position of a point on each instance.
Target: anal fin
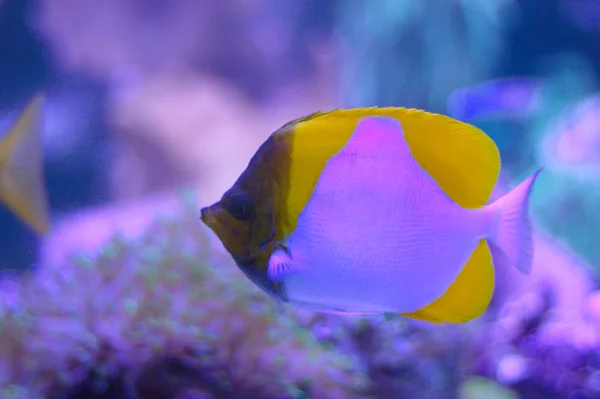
(468, 297)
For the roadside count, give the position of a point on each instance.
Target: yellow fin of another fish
(468, 297)
(22, 187)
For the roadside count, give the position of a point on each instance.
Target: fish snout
(212, 215)
(206, 215)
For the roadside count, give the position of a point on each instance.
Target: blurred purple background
(148, 98)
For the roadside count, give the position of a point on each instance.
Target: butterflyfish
(376, 211)
(22, 188)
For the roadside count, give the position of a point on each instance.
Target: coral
(161, 315)
(403, 359)
(478, 387)
(173, 318)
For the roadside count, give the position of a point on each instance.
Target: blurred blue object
(507, 97)
(415, 53)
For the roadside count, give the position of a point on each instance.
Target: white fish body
(380, 235)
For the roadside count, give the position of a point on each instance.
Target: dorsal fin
(461, 158)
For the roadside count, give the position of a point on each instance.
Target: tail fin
(22, 187)
(510, 237)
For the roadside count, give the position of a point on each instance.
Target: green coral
(165, 297)
(479, 387)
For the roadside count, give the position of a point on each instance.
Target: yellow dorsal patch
(22, 187)
(462, 159)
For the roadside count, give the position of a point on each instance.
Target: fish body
(22, 188)
(380, 235)
(376, 211)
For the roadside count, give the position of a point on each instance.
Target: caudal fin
(22, 187)
(510, 237)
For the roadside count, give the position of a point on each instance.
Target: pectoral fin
(281, 265)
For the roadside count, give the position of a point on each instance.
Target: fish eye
(240, 206)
